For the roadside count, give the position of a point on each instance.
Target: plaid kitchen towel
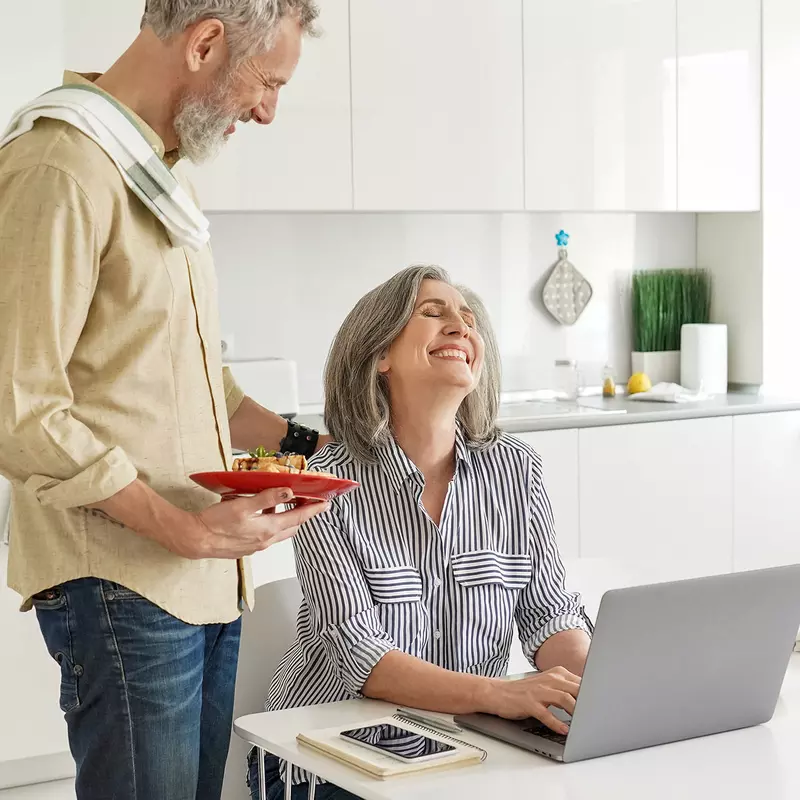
(111, 127)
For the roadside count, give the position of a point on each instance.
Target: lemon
(639, 383)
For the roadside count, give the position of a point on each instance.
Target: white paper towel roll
(704, 358)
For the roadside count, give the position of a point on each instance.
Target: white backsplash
(288, 280)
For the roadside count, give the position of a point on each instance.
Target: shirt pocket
(488, 586)
(394, 584)
(397, 594)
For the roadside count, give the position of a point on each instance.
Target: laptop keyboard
(542, 730)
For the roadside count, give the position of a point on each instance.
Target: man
(113, 394)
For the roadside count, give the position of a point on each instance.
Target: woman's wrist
(486, 694)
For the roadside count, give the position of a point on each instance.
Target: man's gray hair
(250, 25)
(357, 411)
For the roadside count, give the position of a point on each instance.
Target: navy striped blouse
(378, 575)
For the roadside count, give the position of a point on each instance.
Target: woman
(412, 584)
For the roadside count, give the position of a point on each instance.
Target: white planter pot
(704, 358)
(661, 367)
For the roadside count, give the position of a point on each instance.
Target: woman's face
(439, 346)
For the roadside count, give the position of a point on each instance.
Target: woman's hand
(530, 697)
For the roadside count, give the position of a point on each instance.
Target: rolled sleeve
(340, 604)
(233, 392)
(96, 483)
(545, 607)
(49, 268)
(355, 647)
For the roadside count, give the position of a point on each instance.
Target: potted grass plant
(662, 302)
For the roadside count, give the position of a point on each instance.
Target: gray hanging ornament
(566, 292)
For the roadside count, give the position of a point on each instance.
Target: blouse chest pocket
(489, 583)
(394, 584)
(397, 594)
(488, 567)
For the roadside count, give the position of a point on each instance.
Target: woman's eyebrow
(436, 301)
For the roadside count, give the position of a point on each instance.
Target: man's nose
(264, 114)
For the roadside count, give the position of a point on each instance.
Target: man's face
(207, 118)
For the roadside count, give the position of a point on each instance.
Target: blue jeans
(148, 699)
(276, 788)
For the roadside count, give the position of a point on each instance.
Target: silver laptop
(673, 661)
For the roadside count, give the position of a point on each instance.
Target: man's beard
(201, 121)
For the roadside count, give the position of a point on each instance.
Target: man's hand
(241, 527)
(231, 529)
(530, 697)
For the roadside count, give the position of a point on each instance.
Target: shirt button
(437, 635)
(437, 583)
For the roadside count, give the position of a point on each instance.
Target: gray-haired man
(114, 393)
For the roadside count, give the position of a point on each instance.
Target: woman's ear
(383, 364)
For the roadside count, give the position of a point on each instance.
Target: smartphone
(400, 743)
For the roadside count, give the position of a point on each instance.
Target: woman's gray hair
(357, 411)
(250, 25)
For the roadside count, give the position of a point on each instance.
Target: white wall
(315, 266)
(730, 247)
(31, 58)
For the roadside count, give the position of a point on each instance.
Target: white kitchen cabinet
(32, 56)
(301, 162)
(719, 105)
(600, 105)
(559, 453)
(766, 476)
(437, 105)
(658, 497)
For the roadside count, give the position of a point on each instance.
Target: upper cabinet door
(437, 104)
(301, 162)
(719, 105)
(600, 105)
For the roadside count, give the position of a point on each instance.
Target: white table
(761, 763)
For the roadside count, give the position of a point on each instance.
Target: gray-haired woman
(412, 584)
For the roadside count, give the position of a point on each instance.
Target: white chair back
(267, 632)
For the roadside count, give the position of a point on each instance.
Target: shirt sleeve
(233, 392)
(339, 601)
(545, 607)
(49, 268)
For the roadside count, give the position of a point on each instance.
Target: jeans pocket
(116, 591)
(52, 613)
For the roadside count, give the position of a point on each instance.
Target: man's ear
(206, 45)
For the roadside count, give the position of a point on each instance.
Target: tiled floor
(61, 790)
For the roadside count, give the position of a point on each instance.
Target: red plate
(305, 485)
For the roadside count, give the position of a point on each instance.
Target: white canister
(704, 358)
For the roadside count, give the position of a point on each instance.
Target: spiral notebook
(329, 742)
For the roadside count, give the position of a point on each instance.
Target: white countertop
(758, 762)
(592, 412)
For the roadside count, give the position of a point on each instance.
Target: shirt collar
(153, 139)
(400, 468)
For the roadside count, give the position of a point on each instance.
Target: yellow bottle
(609, 384)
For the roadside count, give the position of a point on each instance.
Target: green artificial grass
(663, 301)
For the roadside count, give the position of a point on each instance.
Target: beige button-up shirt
(110, 368)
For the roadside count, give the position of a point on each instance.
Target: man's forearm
(254, 426)
(144, 511)
(408, 681)
(566, 649)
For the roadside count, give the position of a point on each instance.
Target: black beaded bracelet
(300, 440)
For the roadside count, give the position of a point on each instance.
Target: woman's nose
(457, 327)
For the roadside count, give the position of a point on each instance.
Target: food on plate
(261, 460)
